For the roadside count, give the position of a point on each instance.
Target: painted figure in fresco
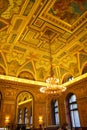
(66, 9)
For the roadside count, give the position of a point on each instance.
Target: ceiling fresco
(28, 27)
(68, 10)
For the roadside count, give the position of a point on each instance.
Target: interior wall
(41, 103)
(10, 91)
(80, 90)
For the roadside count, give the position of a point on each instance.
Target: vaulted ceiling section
(25, 29)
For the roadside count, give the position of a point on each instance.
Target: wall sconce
(7, 119)
(40, 120)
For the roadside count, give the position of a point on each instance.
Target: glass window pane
(70, 78)
(19, 111)
(20, 116)
(56, 118)
(30, 120)
(25, 115)
(25, 121)
(56, 109)
(72, 119)
(73, 106)
(76, 118)
(26, 110)
(55, 113)
(56, 103)
(72, 99)
(74, 112)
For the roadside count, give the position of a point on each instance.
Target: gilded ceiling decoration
(24, 41)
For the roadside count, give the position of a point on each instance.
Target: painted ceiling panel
(29, 27)
(68, 11)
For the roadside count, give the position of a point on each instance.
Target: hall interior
(39, 39)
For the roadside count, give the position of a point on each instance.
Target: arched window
(24, 108)
(73, 109)
(55, 112)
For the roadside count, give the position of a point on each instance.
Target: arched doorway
(24, 114)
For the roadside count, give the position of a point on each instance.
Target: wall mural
(69, 10)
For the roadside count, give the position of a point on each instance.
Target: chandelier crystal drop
(53, 86)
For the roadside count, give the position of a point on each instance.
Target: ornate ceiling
(24, 40)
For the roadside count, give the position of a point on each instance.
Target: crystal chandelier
(53, 86)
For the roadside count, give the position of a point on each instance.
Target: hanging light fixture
(53, 86)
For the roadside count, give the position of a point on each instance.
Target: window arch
(67, 77)
(55, 112)
(73, 111)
